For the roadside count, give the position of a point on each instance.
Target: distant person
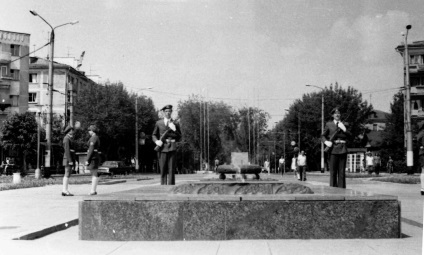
(420, 139)
(266, 166)
(216, 164)
(165, 134)
(281, 164)
(377, 164)
(389, 165)
(93, 160)
(369, 159)
(301, 163)
(68, 158)
(335, 137)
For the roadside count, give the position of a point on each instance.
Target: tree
(393, 135)
(19, 133)
(307, 113)
(112, 109)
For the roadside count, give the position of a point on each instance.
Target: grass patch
(404, 179)
(362, 175)
(30, 181)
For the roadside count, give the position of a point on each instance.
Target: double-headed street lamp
(50, 89)
(137, 167)
(322, 125)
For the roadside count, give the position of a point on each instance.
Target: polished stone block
(155, 213)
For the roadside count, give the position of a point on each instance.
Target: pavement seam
(48, 231)
(412, 222)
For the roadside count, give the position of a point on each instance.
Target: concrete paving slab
(33, 208)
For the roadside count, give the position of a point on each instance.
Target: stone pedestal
(163, 213)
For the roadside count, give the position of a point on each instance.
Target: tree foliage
(393, 135)
(112, 109)
(19, 133)
(217, 128)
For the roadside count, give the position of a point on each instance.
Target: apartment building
(67, 81)
(14, 65)
(416, 76)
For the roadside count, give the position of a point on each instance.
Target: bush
(399, 166)
(408, 179)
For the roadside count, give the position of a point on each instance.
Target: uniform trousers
(337, 170)
(167, 167)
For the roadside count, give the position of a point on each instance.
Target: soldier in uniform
(165, 134)
(93, 159)
(335, 136)
(68, 158)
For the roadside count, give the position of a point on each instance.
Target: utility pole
(409, 151)
(136, 134)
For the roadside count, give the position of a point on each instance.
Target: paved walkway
(24, 212)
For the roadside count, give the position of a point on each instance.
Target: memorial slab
(223, 211)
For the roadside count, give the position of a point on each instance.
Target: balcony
(6, 77)
(5, 57)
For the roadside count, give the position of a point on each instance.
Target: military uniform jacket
(339, 140)
(93, 149)
(170, 139)
(68, 146)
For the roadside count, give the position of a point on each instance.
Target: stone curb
(48, 231)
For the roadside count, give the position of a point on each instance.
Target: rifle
(162, 138)
(328, 149)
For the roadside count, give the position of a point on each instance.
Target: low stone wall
(154, 213)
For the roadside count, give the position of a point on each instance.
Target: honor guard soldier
(334, 137)
(165, 134)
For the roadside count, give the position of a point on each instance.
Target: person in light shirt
(281, 164)
(301, 163)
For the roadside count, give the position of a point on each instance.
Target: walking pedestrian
(281, 165)
(68, 158)
(301, 163)
(93, 160)
(377, 164)
(266, 166)
(389, 165)
(335, 137)
(369, 162)
(165, 134)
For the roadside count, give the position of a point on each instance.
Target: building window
(15, 74)
(14, 49)
(33, 77)
(3, 71)
(374, 127)
(32, 98)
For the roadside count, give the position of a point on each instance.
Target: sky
(244, 53)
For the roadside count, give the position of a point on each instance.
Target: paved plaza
(26, 213)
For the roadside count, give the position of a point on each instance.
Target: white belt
(340, 141)
(170, 140)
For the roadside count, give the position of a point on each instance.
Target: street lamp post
(137, 167)
(409, 152)
(322, 125)
(50, 89)
(37, 173)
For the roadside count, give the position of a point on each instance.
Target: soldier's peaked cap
(336, 109)
(166, 107)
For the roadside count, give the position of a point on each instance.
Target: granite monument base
(163, 213)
